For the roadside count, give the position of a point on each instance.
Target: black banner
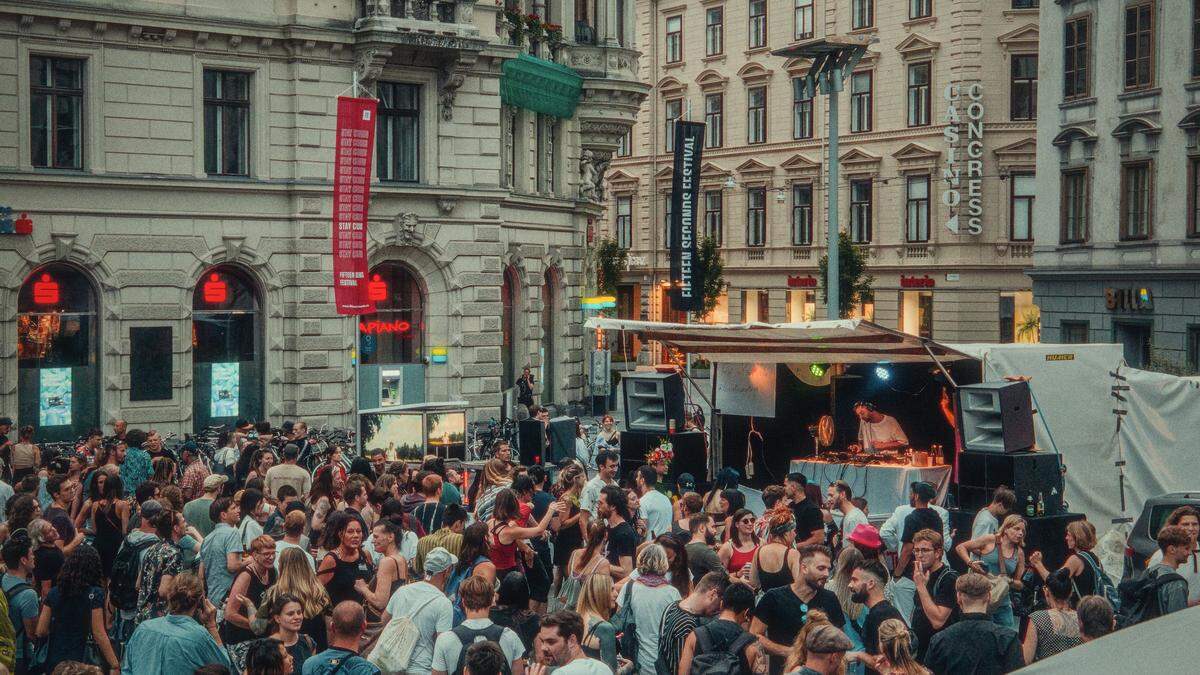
(686, 277)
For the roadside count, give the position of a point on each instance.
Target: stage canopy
(844, 341)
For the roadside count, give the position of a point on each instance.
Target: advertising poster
(447, 433)
(351, 195)
(54, 397)
(400, 435)
(226, 390)
(686, 276)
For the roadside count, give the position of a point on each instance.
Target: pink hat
(866, 535)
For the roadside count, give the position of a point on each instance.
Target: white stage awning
(844, 341)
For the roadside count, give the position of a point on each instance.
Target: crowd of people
(276, 557)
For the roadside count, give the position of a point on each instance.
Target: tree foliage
(610, 262)
(854, 283)
(708, 256)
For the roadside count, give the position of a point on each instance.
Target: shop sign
(797, 281)
(916, 282)
(355, 139)
(376, 289)
(21, 224)
(379, 327)
(964, 156)
(46, 291)
(1129, 299)
(1060, 357)
(215, 290)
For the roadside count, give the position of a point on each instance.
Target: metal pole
(357, 365)
(833, 85)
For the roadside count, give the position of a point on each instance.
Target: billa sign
(686, 283)
(1129, 299)
(351, 193)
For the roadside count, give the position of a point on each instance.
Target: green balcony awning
(541, 86)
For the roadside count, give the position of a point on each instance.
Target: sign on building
(963, 172)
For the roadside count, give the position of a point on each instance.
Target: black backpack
(1140, 597)
(469, 636)
(122, 585)
(708, 661)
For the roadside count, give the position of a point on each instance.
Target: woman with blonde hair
(895, 649)
(584, 563)
(839, 584)
(568, 534)
(797, 657)
(650, 594)
(999, 554)
(297, 579)
(595, 607)
(497, 475)
(1082, 562)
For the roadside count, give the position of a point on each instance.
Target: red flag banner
(351, 194)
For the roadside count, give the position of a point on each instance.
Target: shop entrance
(227, 361)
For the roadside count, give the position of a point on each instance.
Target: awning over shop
(844, 341)
(541, 86)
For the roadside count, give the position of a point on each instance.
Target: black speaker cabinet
(653, 401)
(1048, 535)
(531, 441)
(996, 416)
(690, 455)
(1032, 475)
(562, 440)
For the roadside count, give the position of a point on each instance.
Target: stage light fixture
(818, 369)
(883, 373)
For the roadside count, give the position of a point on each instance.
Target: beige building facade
(937, 148)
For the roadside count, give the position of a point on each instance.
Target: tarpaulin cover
(540, 85)
(1165, 645)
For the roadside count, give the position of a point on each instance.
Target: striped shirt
(451, 541)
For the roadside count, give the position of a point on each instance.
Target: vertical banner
(351, 194)
(686, 276)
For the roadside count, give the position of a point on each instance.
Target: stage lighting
(883, 373)
(818, 369)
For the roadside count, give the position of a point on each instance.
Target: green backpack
(8, 636)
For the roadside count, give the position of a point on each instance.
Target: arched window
(58, 388)
(550, 308)
(227, 359)
(395, 332)
(510, 291)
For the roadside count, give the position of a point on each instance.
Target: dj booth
(883, 485)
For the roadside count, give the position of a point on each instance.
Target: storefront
(227, 362)
(58, 390)
(392, 339)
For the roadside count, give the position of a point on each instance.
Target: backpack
(710, 662)
(122, 587)
(397, 642)
(469, 636)
(626, 625)
(1140, 597)
(8, 634)
(1104, 585)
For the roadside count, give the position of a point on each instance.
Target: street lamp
(833, 58)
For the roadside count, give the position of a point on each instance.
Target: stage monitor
(562, 439)
(653, 401)
(400, 434)
(996, 416)
(447, 434)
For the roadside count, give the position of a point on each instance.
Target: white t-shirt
(448, 646)
(431, 611)
(584, 666)
(883, 431)
(985, 523)
(648, 607)
(281, 546)
(1189, 570)
(250, 529)
(655, 508)
(590, 496)
(407, 547)
(853, 518)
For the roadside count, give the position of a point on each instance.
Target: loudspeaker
(1032, 475)
(1048, 535)
(690, 454)
(996, 416)
(653, 401)
(562, 440)
(531, 441)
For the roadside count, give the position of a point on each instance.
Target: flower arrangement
(554, 34)
(663, 453)
(534, 27)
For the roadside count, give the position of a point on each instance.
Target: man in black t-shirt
(936, 604)
(783, 611)
(810, 525)
(921, 518)
(866, 586)
(623, 540)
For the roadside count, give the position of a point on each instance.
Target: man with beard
(681, 619)
(702, 559)
(866, 585)
(783, 611)
(810, 523)
(623, 540)
(558, 645)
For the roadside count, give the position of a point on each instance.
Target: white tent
(1166, 645)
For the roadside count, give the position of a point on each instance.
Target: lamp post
(833, 58)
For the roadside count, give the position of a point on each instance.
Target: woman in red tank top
(504, 533)
(737, 553)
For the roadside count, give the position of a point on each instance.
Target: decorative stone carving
(449, 81)
(510, 115)
(369, 65)
(446, 205)
(406, 230)
(466, 11)
(379, 7)
(587, 177)
(603, 159)
(420, 9)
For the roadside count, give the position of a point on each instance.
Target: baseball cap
(687, 482)
(439, 560)
(214, 480)
(827, 640)
(151, 508)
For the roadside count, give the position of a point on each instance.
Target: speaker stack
(653, 402)
(531, 441)
(1034, 476)
(562, 440)
(996, 417)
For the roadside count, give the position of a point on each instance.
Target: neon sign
(215, 290)
(380, 327)
(376, 289)
(9, 225)
(45, 291)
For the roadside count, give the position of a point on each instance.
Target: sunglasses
(746, 521)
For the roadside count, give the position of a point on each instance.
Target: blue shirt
(136, 469)
(171, 644)
(214, 552)
(6, 493)
(328, 660)
(23, 606)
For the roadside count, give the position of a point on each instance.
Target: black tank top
(254, 593)
(777, 579)
(341, 586)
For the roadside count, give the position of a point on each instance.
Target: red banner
(351, 194)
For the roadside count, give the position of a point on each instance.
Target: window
(804, 19)
(1195, 38)
(860, 102)
(802, 214)
(801, 306)
(1008, 319)
(56, 112)
(756, 115)
(1193, 204)
(802, 110)
(398, 134)
(1074, 206)
(547, 154)
(860, 211)
(1075, 58)
(919, 9)
(668, 209)
(625, 222)
(713, 207)
(1136, 339)
(674, 110)
(919, 94)
(756, 306)
(1020, 226)
(758, 23)
(1136, 200)
(1193, 349)
(916, 313)
(226, 122)
(1074, 332)
(625, 144)
(226, 338)
(714, 128)
(674, 39)
(714, 31)
(917, 214)
(862, 14)
(1024, 4)
(1023, 87)
(756, 216)
(1139, 46)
